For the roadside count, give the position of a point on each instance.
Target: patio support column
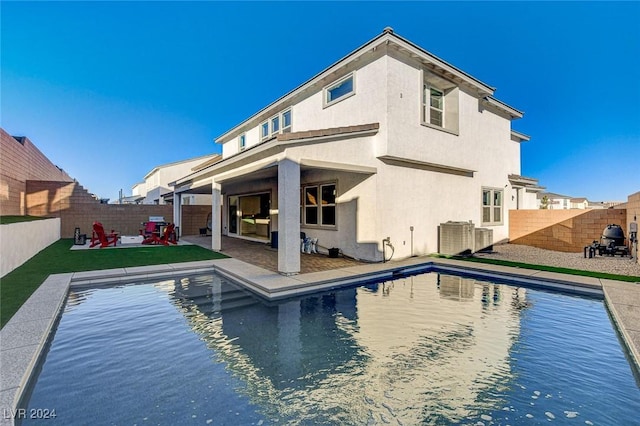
(177, 210)
(288, 217)
(216, 223)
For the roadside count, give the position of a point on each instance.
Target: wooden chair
(149, 229)
(100, 237)
(168, 236)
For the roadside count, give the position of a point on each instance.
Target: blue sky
(109, 90)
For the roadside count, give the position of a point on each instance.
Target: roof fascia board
(418, 52)
(385, 38)
(423, 165)
(273, 146)
(312, 81)
(514, 113)
(521, 136)
(228, 162)
(342, 167)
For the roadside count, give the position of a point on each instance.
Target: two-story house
(389, 141)
(155, 189)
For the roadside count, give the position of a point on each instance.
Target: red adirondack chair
(100, 237)
(168, 236)
(149, 229)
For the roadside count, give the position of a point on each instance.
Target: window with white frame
(492, 206)
(242, 141)
(286, 121)
(319, 204)
(280, 123)
(433, 106)
(339, 90)
(439, 107)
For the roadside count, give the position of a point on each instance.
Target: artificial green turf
(5, 220)
(19, 284)
(603, 275)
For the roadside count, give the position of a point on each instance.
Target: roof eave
(520, 136)
(511, 111)
(387, 36)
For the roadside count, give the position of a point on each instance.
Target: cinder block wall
(633, 209)
(562, 230)
(194, 217)
(21, 161)
(77, 208)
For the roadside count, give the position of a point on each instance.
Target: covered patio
(263, 256)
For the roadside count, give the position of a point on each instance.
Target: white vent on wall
(457, 238)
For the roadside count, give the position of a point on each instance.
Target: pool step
(229, 298)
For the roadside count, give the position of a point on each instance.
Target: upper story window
(492, 206)
(242, 141)
(439, 103)
(286, 121)
(432, 106)
(339, 90)
(436, 106)
(280, 123)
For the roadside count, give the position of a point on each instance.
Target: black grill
(611, 243)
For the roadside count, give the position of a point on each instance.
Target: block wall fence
(21, 161)
(77, 208)
(563, 230)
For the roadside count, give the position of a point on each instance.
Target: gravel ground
(533, 255)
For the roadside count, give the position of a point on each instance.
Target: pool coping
(24, 338)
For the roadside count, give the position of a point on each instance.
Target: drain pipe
(386, 242)
(384, 256)
(411, 229)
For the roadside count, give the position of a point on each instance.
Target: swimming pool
(426, 349)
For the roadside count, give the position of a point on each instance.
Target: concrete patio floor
(263, 256)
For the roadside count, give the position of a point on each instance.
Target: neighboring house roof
(155, 169)
(387, 38)
(579, 200)
(132, 199)
(552, 195)
(531, 184)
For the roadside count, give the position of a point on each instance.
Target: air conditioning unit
(457, 238)
(484, 240)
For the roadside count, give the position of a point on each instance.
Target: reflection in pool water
(427, 349)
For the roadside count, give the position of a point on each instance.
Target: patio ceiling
(268, 169)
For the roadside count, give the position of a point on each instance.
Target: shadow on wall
(562, 230)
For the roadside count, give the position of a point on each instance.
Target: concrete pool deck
(24, 338)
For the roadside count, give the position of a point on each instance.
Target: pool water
(426, 349)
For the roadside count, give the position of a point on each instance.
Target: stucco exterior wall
(369, 105)
(156, 183)
(388, 91)
(19, 242)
